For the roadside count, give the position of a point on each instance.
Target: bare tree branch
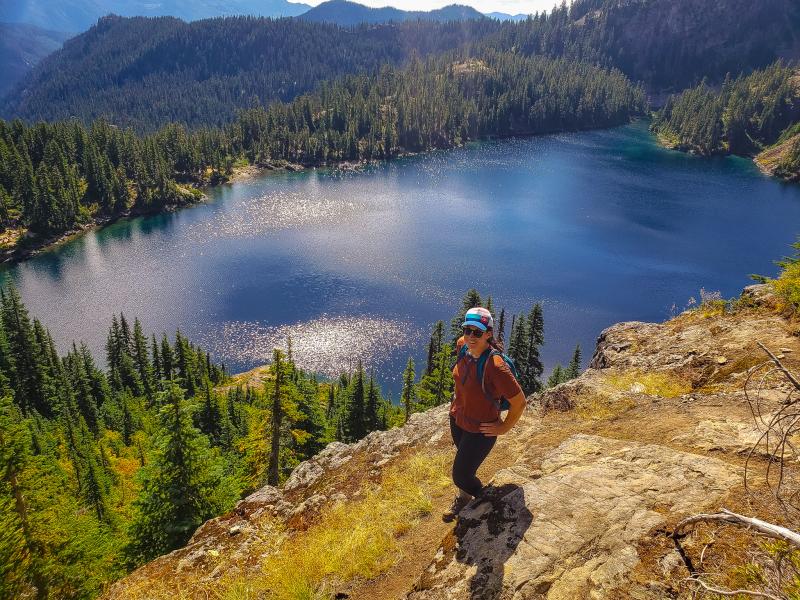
(786, 372)
(722, 592)
(726, 516)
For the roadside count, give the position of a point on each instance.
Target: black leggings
(472, 450)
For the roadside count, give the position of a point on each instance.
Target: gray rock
(572, 532)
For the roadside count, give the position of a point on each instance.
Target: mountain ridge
(346, 13)
(78, 15)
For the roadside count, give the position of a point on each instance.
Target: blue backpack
(502, 403)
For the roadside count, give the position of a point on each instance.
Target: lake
(600, 227)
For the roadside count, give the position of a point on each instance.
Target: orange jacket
(470, 407)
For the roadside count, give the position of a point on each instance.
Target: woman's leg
(473, 448)
(456, 432)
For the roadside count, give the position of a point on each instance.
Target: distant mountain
(79, 15)
(506, 17)
(21, 47)
(344, 12)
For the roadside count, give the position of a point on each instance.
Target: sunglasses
(473, 331)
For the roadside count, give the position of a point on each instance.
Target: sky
(485, 6)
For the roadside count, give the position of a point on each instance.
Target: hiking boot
(459, 502)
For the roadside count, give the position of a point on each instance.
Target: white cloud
(485, 6)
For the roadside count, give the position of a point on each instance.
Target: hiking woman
(483, 380)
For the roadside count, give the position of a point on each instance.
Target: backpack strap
(501, 403)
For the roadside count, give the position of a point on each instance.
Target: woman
(475, 419)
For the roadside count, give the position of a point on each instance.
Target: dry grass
(599, 407)
(11, 237)
(350, 541)
(655, 383)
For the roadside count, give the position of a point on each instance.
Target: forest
(104, 469)
(146, 73)
(744, 116)
(57, 177)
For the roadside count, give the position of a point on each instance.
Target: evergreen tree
(434, 346)
(574, 367)
(277, 417)
(209, 417)
(407, 395)
(28, 374)
(501, 328)
(18, 546)
(181, 487)
(532, 367)
(355, 425)
(437, 388)
(141, 359)
(518, 344)
(373, 407)
(559, 375)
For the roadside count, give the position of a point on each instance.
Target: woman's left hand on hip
(497, 427)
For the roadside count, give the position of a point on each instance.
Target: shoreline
(767, 161)
(18, 254)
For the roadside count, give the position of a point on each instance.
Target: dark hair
(495, 344)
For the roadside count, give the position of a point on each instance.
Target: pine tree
(407, 395)
(574, 367)
(209, 417)
(559, 375)
(355, 426)
(157, 375)
(532, 365)
(277, 417)
(182, 486)
(28, 374)
(501, 329)
(518, 344)
(18, 546)
(434, 346)
(167, 359)
(141, 359)
(437, 388)
(372, 412)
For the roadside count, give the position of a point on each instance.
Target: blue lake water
(600, 227)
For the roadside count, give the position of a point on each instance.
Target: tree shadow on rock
(488, 532)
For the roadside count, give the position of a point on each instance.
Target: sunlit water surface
(600, 227)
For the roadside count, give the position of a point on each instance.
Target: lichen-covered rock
(570, 531)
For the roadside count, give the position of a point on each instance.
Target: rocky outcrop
(655, 429)
(569, 530)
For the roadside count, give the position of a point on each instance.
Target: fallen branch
(786, 372)
(722, 592)
(726, 516)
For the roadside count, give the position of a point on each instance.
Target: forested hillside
(668, 44)
(146, 73)
(56, 177)
(745, 116)
(149, 72)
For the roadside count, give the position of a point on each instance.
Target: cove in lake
(600, 227)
